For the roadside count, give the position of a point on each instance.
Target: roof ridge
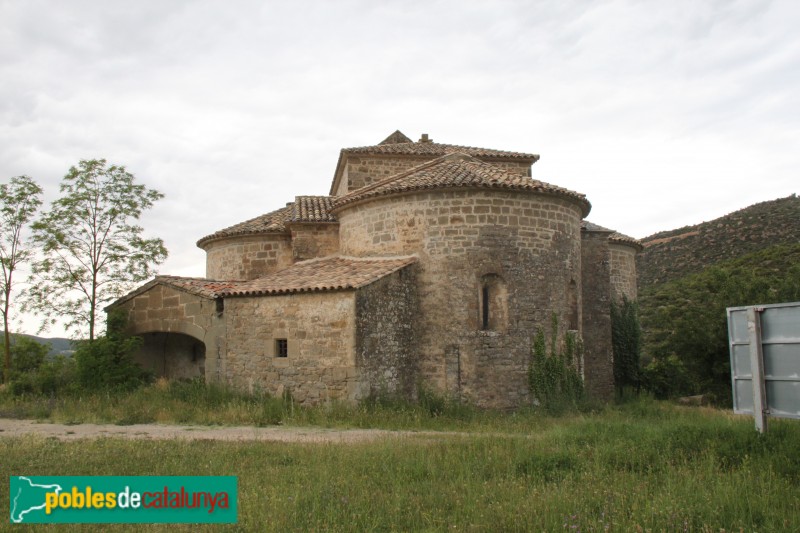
(376, 257)
(426, 146)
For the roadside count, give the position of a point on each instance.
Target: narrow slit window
(281, 348)
(492, 304)
(485, 307)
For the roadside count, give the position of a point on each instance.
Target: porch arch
(172, 355)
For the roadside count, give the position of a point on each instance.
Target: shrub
(107, 362)
(27, 355)
(667, 378)
(33, 372)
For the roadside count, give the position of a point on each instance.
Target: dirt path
(16, 428)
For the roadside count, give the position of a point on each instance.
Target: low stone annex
(427, 265)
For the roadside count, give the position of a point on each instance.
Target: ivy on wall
(554, 378)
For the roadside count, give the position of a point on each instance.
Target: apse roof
(457, 170)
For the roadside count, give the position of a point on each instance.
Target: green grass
(643, 466)
(195, 403)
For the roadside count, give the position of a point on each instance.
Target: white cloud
(663, 113)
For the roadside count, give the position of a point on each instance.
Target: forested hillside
(689, 276)
(670, 255)
(686, 318)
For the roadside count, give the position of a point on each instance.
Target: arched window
(493, 299)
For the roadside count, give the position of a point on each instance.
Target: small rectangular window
(281, 348)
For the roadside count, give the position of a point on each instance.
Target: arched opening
(493, 306)
(172, 355)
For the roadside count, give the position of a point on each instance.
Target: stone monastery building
(428, 265)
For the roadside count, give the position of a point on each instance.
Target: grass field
(179, 402)
(642, 466)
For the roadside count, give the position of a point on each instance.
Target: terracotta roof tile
(312, 209)
(398, 144)
(326, 274)
(206, 288)
(614, 236)
(273, 222)
(620, 238)
(591, 226)
(457, 170)
(394, 145)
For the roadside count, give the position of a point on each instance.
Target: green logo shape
(123, 499)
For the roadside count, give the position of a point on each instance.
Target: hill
(671, 255)
(58, 345)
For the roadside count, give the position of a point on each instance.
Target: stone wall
(314, 240)
(623, 271)
(164, 309)
(248, 256)
(387, 314)
(528, 242)
(596, 289)
(320, 331)
(364, 170)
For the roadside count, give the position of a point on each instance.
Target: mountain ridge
(673, 254)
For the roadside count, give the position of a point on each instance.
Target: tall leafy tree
(92, 249)
(19, 200)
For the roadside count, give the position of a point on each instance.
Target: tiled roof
(312, 209)
(273, 222)
(207, 288)
(591, 226)
(397, 144)
(424, 147)
(326, 274)
(619, 238)
(303, 209)
(456, 171)
(614, 236)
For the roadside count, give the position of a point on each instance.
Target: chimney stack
(425, 139)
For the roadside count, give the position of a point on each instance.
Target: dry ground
(16, 428)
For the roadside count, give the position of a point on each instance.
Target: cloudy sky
(663, 113)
